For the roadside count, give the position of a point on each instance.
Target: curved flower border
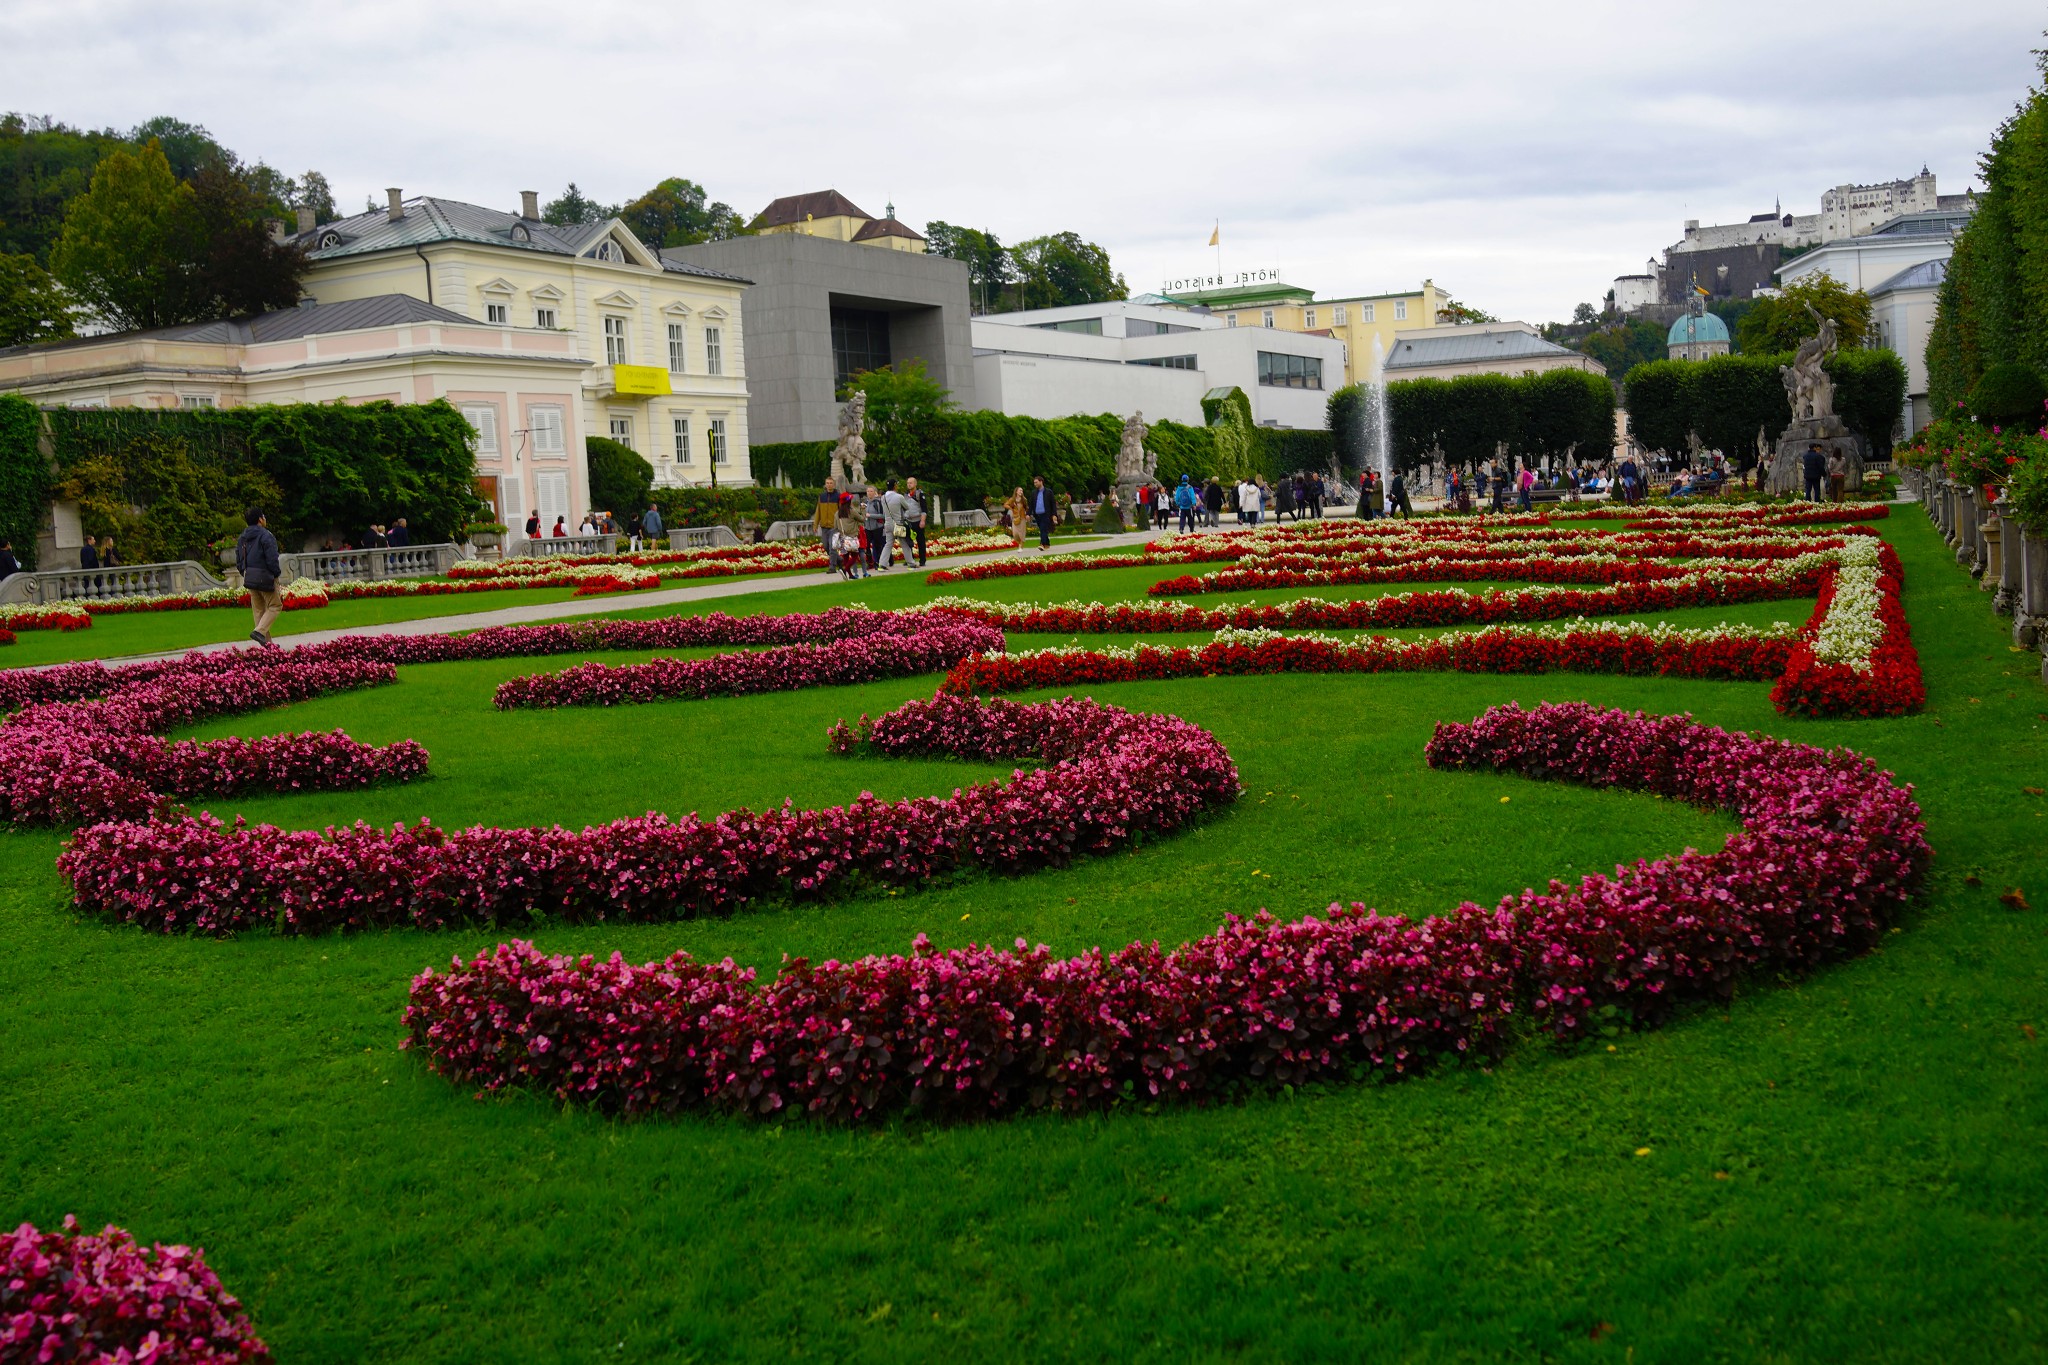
(1829, 853)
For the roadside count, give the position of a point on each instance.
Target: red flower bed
(911, 647)
(6, 637)
(1829, 853)
(1113, 778)
(70, 1295)
(1888, 683)
(1731, 657)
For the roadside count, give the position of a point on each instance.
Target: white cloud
(1520, 154)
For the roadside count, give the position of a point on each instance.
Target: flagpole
(1216, 238)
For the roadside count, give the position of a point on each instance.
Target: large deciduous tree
(1781, 323)
(574, 208)
(989, 269)
(1059, 270)
(676, 213)
(907, 417)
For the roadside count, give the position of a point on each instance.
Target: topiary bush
(24, 476)
(620, 479)
(2010, 395)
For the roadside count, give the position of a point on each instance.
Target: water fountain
(1376, 424)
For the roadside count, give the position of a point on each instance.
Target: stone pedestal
(1788, 466)
(1945, 512)
(2012, 554)
(1966, 526)
(1989, 536)
(2031, 607)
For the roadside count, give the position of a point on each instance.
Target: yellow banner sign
(640, 379)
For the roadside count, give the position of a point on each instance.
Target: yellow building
(666, 368)
(830, 214)
(1354, 319)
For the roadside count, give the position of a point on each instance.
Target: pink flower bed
(931, 645)
(70, 1295)
(1829, 853)
(1112, 778)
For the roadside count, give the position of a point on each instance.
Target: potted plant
(485, 536)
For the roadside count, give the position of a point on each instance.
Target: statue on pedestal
(1135, 465)
(1810, 390)
(849, 457)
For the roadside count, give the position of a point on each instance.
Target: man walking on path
(1397, 496)
(256, 559)
(1185, 501)
(1212, 503)
(828, 523)
(1042, 507)
(1815, 468)
(651, 528)
(916, 514)
(896, 508)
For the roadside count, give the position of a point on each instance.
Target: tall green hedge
(319, 465)
(24, 476)
(1727, 399)
(1558, 414)
(804, 463)
(724, 506)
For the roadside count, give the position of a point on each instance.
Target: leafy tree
(1454, 312)
(313, 192)
(1731, 312)
(1584, 313)
(1655, 396)
(2008, 395)
(1727, 399)
(186, 146)
(621, 481)
(238, 268)
(574, 208)
(1060, 270)
(33, 306)
(907, 417)
(1870, 394)
(674, 213)
(1232, 431)
(1781, 323)
(1625, 344)
(1564, 414)
(989, 269)
(43, 166)
(128, 242)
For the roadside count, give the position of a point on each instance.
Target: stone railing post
(1966, 527)
(1990, 543)
(2012, 560)
(2032, 604)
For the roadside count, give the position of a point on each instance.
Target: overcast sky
(1522, 155)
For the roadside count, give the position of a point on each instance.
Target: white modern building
(1869, 260)
(1510, 348)
(1902, 312)
(1139, 356)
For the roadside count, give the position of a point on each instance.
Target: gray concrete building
(820, 310)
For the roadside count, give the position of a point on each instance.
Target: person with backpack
(1185, 501)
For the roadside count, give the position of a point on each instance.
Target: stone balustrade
(371, 565)
(94, 585)
(973, 517)
(553, 547)
(791, 530)
(702, 537)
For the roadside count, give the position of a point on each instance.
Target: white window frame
(615, 349)
(714, 350)
(497, 314)
(544, 317)
(1266, 318)
(194, 401)
(678, 349)
(483, 420)
(1400, 310)
(1308, 319)
(1371, 312)
(721, 449)
(551, 498)
(679, 436)
(1230, 319)
(549, 430)
(1340, 316)
(619, 426)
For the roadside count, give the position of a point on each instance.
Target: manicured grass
(1878, 1125)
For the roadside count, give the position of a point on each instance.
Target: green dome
(1690, 329)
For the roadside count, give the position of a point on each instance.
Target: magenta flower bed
(79, 1296)
(1113, 778)
(932, 644)
(1829, 853)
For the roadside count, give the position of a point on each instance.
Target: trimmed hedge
(1559, 413)
(24, 476)
(804, 463)
(1726, 399)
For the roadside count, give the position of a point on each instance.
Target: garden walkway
(588, 606)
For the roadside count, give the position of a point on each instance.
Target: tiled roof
(794, 208)
(1482, 345)
(885, 227)
(313, 319)
(428, 220)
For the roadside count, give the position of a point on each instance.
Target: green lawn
(1879, 1126)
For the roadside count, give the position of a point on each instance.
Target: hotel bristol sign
(1236, 279)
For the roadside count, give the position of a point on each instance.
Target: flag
(1216, 237)
(1702, 291)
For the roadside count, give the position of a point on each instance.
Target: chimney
(529, 205)
(396, 211)
(306, 223)
(275, 227)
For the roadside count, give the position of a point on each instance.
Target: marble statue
(1134, 463)
(1811, 388)
(849, 457)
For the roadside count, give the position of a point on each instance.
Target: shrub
(24, 476)
(621, 480)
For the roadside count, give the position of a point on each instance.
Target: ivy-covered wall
(168, 483)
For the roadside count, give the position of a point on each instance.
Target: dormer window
(608, 250)
(328, 239)
(520, 234)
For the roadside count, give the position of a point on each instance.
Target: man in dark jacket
(256, 558)
(89, 554)
(398, 537)
(1043, 509)
(1212, 502)
(650, 527)
(1815, 467)
(9, 565)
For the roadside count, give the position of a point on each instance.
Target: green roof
(1241, 298)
